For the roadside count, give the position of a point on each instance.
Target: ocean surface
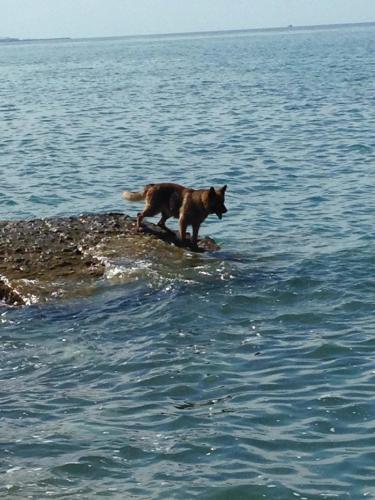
(244, 374)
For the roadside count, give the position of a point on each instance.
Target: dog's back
(164, 197)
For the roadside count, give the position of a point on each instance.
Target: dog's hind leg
(149, 211)
(162, 220)
(140, 218)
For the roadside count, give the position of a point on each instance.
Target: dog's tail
(128, 195)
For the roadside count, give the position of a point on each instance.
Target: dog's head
(216, 198)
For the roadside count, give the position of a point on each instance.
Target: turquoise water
(245, 374)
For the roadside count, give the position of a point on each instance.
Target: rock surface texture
(41, 257)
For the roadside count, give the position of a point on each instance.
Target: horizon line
(289, 27)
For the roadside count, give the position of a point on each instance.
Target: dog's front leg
(194, 239)
(183, 227)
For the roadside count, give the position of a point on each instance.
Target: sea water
(244, 374)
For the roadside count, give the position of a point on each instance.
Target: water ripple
(247, 373)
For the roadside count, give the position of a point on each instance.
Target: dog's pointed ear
(224, 188)
(212, 192)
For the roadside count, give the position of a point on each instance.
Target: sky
(91, 18)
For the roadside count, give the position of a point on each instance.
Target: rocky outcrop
(41, 257)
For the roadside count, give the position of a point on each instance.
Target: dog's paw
(196, 248)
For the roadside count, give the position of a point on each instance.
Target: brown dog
(190, 206)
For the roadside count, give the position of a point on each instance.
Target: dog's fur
(190, 206)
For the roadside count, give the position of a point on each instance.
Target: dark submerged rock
(37, 256)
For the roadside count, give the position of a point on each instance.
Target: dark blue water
(244, 374)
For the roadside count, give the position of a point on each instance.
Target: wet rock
(41, 258)
(9, 295)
